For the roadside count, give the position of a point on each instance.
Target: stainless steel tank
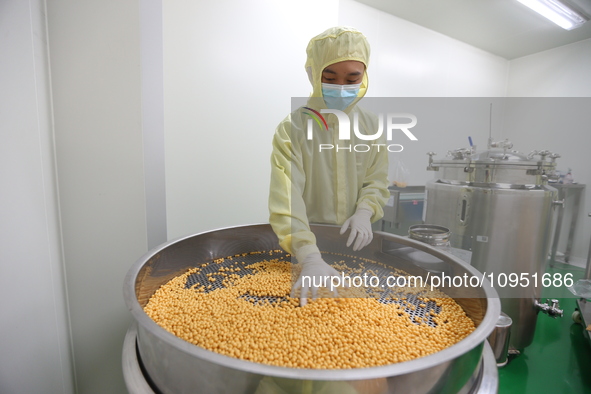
(173, 365)
(498, 206)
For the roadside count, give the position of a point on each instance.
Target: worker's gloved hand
(318, 272)
(360, 224)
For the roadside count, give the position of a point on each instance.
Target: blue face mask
(339, 96)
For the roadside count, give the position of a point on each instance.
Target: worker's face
(348, 72)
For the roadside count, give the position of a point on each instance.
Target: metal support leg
(573, 226)
(588, 267)
(583, 313)
(554, 249)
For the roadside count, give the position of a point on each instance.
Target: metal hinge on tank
(546, 169)
(462, 154)
(505, 145)
(430, 166)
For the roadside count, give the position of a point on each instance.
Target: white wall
(95, 73)
(408, 60)
(560, 72)
(35, 353)
(230, 69)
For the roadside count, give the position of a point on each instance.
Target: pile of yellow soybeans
(252, 317)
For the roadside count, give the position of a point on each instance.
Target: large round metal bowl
(176, 366)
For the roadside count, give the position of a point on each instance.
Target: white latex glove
(313, 266)
(360, 224)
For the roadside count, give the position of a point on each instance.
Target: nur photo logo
(392, 122)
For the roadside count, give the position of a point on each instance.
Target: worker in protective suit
(331, 186)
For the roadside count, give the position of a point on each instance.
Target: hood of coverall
(335, 45)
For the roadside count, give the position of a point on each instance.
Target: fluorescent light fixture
(557, 12)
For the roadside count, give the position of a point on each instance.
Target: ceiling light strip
(557, 12)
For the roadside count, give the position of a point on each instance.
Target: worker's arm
(287, 208)
(288, 215)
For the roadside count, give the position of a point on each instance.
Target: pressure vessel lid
(498, 153)
(499, 165)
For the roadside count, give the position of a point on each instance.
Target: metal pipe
(561, 196)
(588, 268)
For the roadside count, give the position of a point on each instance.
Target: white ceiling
(505, 28)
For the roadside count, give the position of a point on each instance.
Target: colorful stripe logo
(317, 117)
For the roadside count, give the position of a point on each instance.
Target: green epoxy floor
(559, 359)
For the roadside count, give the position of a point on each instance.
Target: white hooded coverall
(313, 186)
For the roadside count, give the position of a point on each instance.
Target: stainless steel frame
(564, 190)
(583, 305)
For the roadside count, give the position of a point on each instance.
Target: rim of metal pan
(476, 338)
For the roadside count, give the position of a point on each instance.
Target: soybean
(252, 317)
